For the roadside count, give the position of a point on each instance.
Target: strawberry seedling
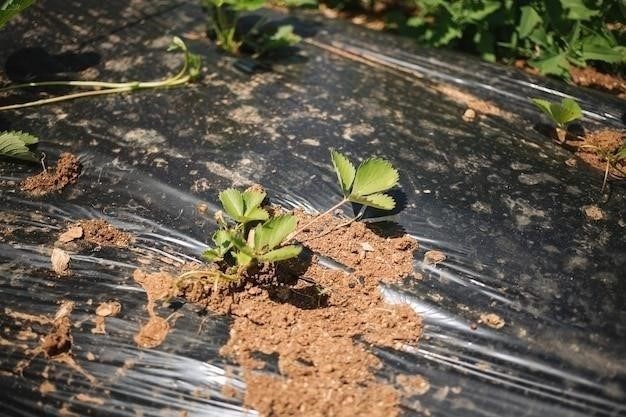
(364, 185)
(561, 113)
(251, 236)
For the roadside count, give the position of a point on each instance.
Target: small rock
(594, 212)
(433, 257)
(109, 308)
(469, 115)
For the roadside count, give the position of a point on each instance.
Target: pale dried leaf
(60, 261)
(75, 232)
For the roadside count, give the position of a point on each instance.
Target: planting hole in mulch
(316, 322)
(66, 172)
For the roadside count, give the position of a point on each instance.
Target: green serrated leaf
(567, 111)
(233, 204)
(543, 105)
(212, 255)
(281, 254)
(379, 200)
(374, 175)
(252, 199)
(344, 169)
(529, 20)
(13, 144)
(270, 234)
(242, 258)
(10, 8)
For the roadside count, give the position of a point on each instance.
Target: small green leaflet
(243, 207)
(271, 234)
(561, 113)
(10, 8)
(365, 184)
(13, 144)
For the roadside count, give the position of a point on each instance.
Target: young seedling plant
(249, 235)
(561, 114)
(365, 185)
(189, 71)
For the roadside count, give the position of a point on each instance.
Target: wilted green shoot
(560, 113)
(14, 144)
(189, 71)
(364, 185)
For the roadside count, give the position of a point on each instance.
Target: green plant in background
(10, 8)
(551, 34)
(561, 113)
(190, 70)
(14, 144)
(224, 16)
(252, 236)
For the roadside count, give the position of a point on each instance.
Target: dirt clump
(303, 338)
(157, 286)
(66, 172)
(594, 148)
(96, 231)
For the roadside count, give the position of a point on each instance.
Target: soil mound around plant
(596, 146)
(66, 172)
(316, 323)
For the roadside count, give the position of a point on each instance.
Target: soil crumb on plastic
(474, 103)
(413, 384)
(318, 330)
(433, 257)
(96, 231)
(492, 320)
(157, 286)
(66, 173)
(594, 212)
(106, 309)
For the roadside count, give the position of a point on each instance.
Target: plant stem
(128, 87)
(316, 219)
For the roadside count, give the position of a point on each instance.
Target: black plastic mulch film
(495, 195)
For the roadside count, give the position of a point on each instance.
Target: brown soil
(473, 103)
(590, 77)
(592, 148)
(318, 328)
(157, 287)
(66, 173)
(96, 231)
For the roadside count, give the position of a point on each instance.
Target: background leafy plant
(551, 34)
(224, 16)
(14, 144)
(10, 8)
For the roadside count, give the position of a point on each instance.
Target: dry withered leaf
(60, 262)
(74, 232)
